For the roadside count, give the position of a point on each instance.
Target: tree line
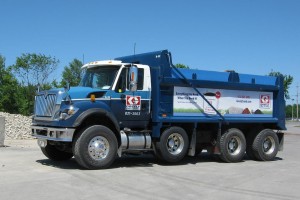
(291, 111)
(19, 82)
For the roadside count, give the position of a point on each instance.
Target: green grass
(187, 110)
(267, 112)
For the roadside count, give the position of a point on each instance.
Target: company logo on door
(133, 103)
(265, 101)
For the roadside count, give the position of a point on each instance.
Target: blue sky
(249, 36)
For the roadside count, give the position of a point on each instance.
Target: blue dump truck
(143, 103)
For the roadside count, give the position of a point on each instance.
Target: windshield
(101, 77)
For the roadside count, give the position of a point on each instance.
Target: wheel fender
(100, 111)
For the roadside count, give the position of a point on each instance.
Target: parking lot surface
(25, 173)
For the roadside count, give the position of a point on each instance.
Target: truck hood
(80, 92)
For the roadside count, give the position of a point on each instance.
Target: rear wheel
(53, 153)
(232, 145)
(96, 147)
(173, 145)
(265, 145)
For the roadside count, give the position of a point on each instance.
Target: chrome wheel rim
(98, 148)
(175, 143)
(234, 145)
(268, 145)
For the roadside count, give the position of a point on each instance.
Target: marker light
(93, 98)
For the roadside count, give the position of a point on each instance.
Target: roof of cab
(102, 63)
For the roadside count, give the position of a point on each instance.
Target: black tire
(173, 145)
(51, 152)
(265, 145)
(95, 148)
(232, 145)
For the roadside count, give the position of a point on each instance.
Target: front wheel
(232, 145)
(265, 145)
(53, 153)
(96, 147)
(173, 145)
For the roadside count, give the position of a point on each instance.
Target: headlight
(68, 112)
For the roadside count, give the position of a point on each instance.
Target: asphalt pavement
(25, 173)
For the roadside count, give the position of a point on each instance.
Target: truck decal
(265, 101)
(227, 102)
(133, 102)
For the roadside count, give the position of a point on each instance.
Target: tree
(72, 74)
(178, 65)
(34, 69)
(287, 81)
(8, 89)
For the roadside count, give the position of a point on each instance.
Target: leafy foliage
(9, 90)
(287, 81)
(34, 69)
(72, 74)
(291, 111)
(182, 66)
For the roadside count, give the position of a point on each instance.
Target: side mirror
(38, 88)
(133, 77)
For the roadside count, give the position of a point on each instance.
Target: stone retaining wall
(17, 126)
(2, 129)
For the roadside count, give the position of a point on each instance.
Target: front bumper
(54, 134)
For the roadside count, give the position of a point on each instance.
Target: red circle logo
(218, 95)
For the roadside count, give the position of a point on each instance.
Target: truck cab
(130, 108)
(105, 85)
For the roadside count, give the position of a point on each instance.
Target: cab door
(132, 109)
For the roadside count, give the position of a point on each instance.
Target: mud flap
(281, 140)
(192, 148)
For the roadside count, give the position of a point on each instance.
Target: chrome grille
(44, 105)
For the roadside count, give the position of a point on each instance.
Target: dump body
(239, 98)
